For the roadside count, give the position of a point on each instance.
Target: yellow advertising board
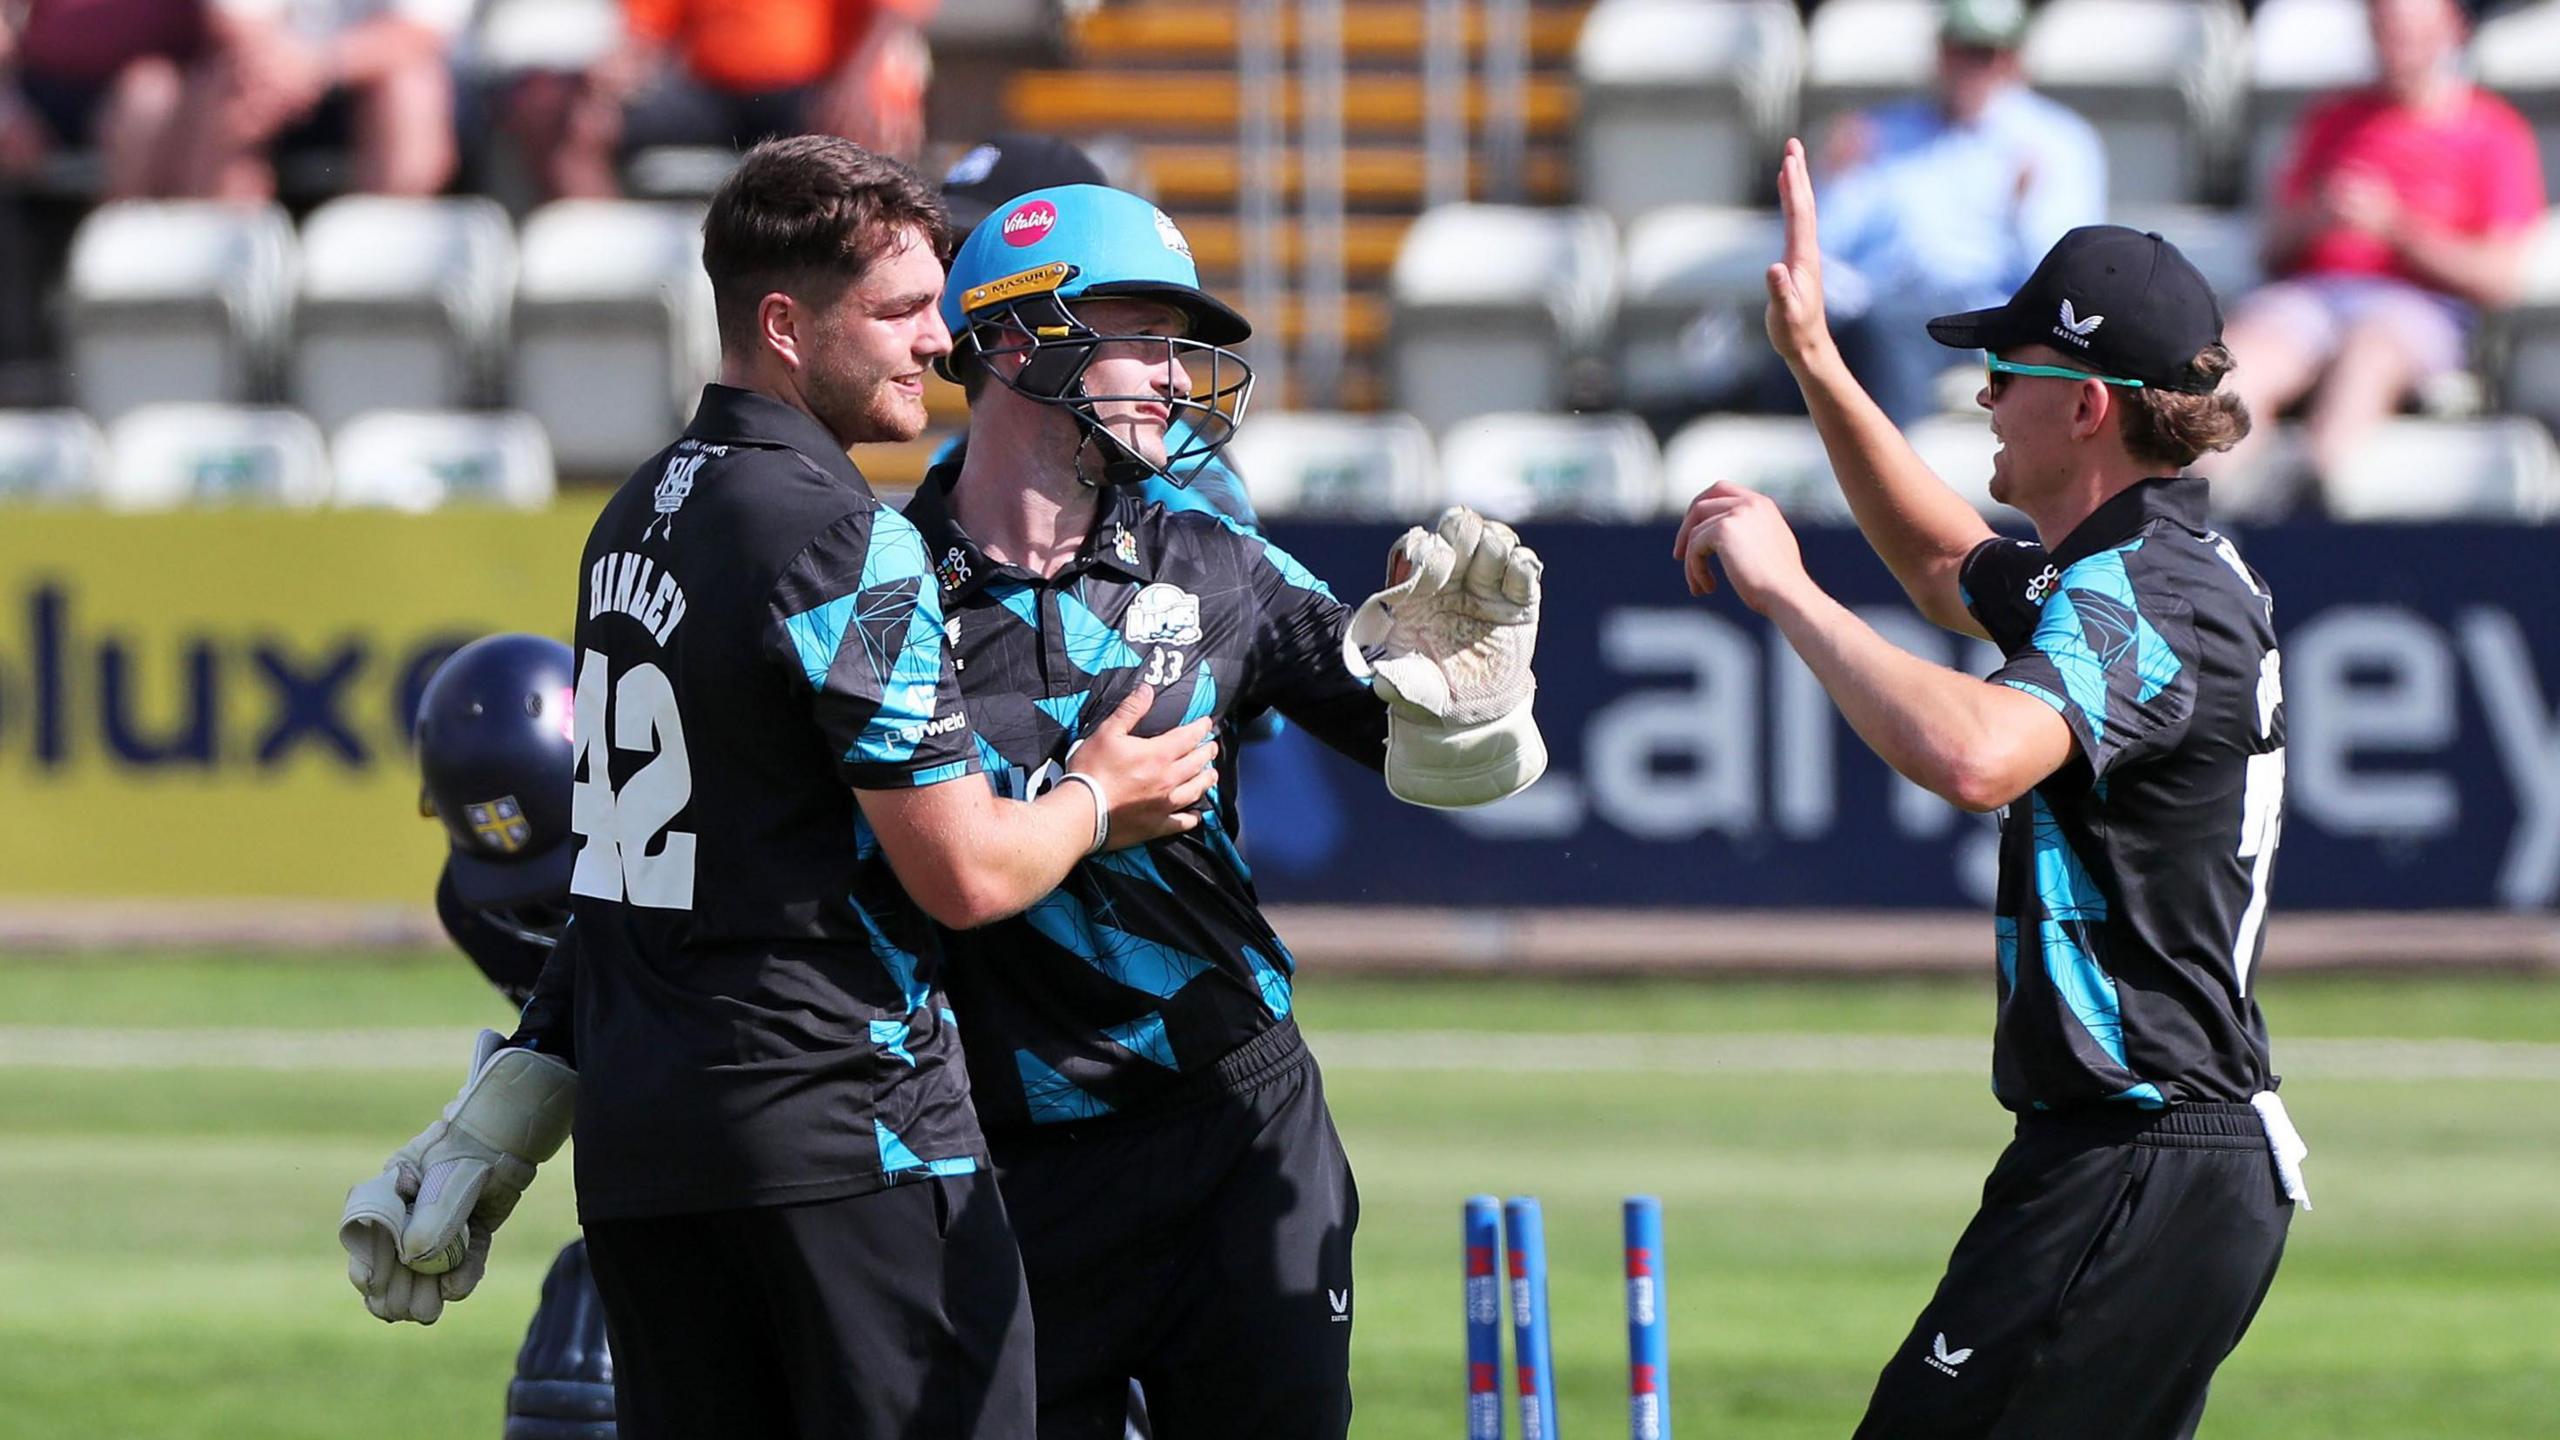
(217, 702)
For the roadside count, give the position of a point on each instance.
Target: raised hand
(1797, 327)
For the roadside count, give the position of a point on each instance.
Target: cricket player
(783, 1188)
(1183, 1203)
(494, 759)
(2133, 740)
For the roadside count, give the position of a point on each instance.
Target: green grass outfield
(167, 1266)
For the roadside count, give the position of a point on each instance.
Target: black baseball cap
(2124, 301)
(1001, 167)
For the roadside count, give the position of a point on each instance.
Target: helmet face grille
(1058, 350)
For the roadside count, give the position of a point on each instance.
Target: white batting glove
(1449, 642)
(464, 1174)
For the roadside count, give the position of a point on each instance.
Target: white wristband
(1101, 808)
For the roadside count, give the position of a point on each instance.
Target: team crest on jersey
(1125, 546)
(499, 824)
(675, 486)
(954, 569)
(1163, 615)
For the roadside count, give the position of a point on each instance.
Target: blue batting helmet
(1013, 288)
(495, 757)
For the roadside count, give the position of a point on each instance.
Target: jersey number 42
(629, 851)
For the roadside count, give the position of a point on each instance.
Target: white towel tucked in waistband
(2285, 1143)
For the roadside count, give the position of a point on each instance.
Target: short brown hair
(2173, 427)
(806, 216)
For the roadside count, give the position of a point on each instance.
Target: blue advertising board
(1696, 761)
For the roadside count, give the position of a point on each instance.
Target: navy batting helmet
(496, 758)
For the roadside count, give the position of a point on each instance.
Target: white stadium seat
(1683, 101)
(163, 457)
(1494, 304)
(50, 455)
(2300, 51)
(403, 304)
(422, 459)
(614, 332)
(1316, 463)
(2223, 244)
(2517, 54)
(2411, 469)
(515, 36)
(1683, 262)
(1860, 52)
(1780, 456)
(1959, 449)
(1524, 466)
(2529, 368)
(175, 300)
(2160, 79)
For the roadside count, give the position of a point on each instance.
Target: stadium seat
(512, 37)
(1311, 463)
(50, 455)
(2502, 468)
(2299, 52)
(614, 331)
(1683, 262)
(1683, 102)
(423, 459)
(2517, 53)
(175, 301)
(1859, 52)
(1494, 304)
(2529, 367)
(1537, 466)
(1959, 449)
(1778, 455)
(2160, 79)
(404, 304)
(162, 457)
(2223, 244)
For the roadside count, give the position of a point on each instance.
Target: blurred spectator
(730, 73)
(367, 76)
(103, 74)
(1944, 203)
(2404, 211)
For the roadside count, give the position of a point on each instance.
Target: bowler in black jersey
(776, 796)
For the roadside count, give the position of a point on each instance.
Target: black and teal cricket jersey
(1123, 987)
(756, 1015)
(2134, 881)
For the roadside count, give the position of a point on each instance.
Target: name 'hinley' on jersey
(624, 583)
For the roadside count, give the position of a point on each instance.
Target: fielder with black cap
(1183, 1204)
(2134, 741)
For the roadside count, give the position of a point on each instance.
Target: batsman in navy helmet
(1183, 1204)
(494, 761)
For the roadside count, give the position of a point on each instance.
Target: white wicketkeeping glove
(1450, 642)
(377, 1211)
(423, 1225)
